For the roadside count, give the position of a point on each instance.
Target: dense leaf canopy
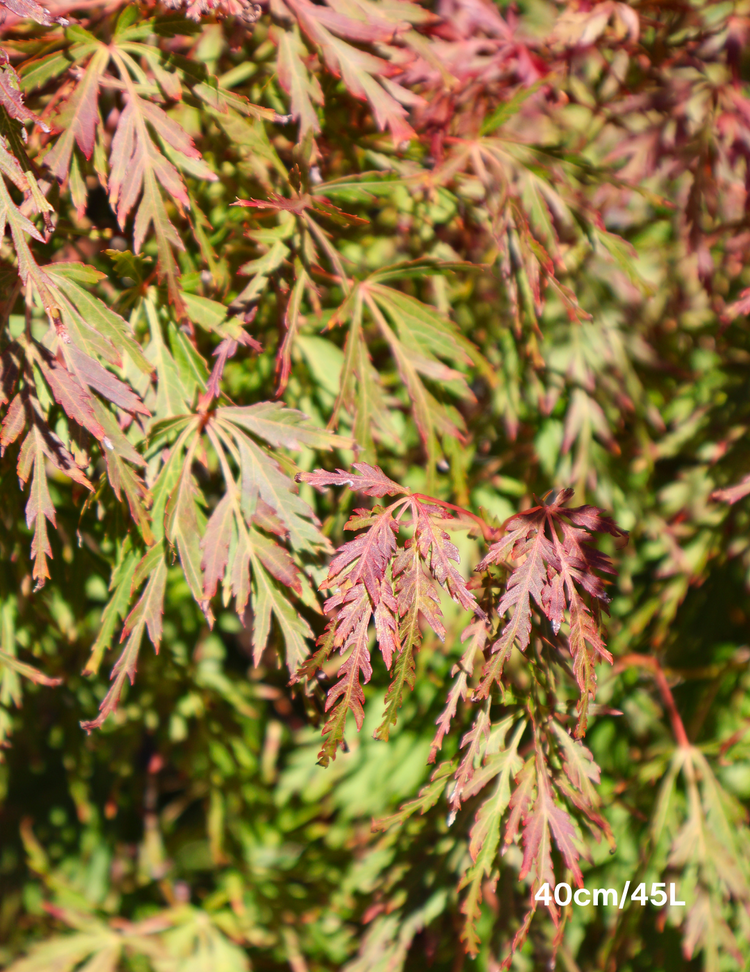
(375, 377)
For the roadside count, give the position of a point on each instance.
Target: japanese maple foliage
(396, 585)
(466, 253)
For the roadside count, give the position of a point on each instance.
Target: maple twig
(489, 533)
(652, 665)
(733, 739)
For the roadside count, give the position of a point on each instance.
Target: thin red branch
(652, 665)
(490, 534)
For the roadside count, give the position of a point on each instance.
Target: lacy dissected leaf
(364, 559)
(474, 637)
(557, 567)
(90, 372)
(581, 773)
(141, 169)
(262, 476)
(21, 226)
(94, 327)
(40, 446)
(72, 394)
(526, 581)
(503, 766)
(147, 151)
(541, 803)
(543, 820)
(25, 412)
(417, 337)
(397, 586)
(271, 564)
(11, 97)
(706, 838)
(146, 615)
(39, 509)
(416, 602)
(370, 480)
(34, 10)
(296, 79)
(274, 252)
(359, 573)
(474, 744)
(366, 76)
(80, 116)
(228, 543)
(251, 564)
(351, 637)
(437, 550)
(278, 425)
(236, 548)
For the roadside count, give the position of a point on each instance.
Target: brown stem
(652, 665)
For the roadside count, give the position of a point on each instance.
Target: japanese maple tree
(386, 359)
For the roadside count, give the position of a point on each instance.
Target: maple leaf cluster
(452, 242)
(396, 586)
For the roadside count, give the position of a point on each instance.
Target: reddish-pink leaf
(350, 634)
(367, 556)
(277, 561)
(95, 376)
(11, 97)
(34, 10)
(28, 671)
(476, 635)
(473, 742)
(732, 494)
(434, 543)
(386, 628)
(215, 545)
(72, 395)
(13, 423)
(39, 508)
(78, 118)
(370, 480)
